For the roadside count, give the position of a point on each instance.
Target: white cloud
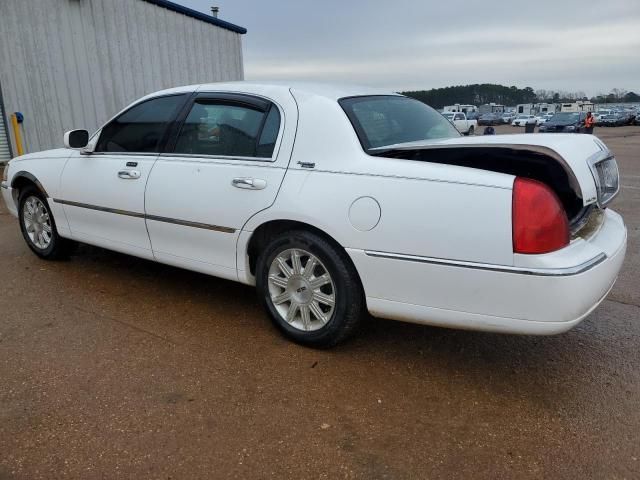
(412, 44)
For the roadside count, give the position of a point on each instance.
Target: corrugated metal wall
(74, 63)
(5, 152)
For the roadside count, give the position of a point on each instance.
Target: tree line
(478, 94)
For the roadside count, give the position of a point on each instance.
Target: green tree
(476, 94)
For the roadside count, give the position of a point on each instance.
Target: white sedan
(335, 201)
(522, 120)
(542, 118)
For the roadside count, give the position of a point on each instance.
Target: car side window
(141, 128)
(459, 117)
(267, 141)
(227, 129)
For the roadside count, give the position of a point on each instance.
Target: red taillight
(539, 222)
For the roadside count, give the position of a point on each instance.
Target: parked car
(564, 122)
(333, 201)
(542, 118)
(460, 121)
(490, 119)
(627, 116)
(522, 120)
(612, 120)
(637, 119)
(508, 117)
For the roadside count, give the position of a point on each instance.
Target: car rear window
(384, 120)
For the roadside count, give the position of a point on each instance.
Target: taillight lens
(605, 173)
(540, 223)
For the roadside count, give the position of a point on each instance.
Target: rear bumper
(7, 196)
(545, 295)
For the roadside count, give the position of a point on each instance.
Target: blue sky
(572, 45)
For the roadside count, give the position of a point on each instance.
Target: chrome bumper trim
(155, 218)
(542, 272)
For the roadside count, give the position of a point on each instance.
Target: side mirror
(76, 139)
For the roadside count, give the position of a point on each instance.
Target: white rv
(491, 108)
(542, 108)
(535, 108)
(460, 108)
(578, 106)
(525, 109)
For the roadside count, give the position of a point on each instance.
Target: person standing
(589, 122)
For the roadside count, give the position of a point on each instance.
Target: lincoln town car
(337, 202)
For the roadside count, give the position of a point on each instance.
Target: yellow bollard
(16, 134)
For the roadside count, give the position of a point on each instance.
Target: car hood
(551, 123)
(55, 153)
(575, 151)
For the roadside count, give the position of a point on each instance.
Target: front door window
(141, 128)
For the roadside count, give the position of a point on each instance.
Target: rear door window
(221, 128)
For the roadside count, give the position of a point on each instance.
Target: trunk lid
(576, 153)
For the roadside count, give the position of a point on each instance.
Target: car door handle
(129, 174)
(249, 183)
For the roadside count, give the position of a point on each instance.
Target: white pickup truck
(460, 121)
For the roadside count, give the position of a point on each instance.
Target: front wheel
(39, 228)
(310, 289)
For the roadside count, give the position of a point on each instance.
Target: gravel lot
(114, 367)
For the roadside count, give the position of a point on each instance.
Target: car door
(102, 192)
(581, 122)
(222, 167)
(460, 122)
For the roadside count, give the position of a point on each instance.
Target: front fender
(22, 177)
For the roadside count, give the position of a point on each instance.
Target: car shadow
(203, 311)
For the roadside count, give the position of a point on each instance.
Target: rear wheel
(39, 227)
(471, 131)
(310, 289)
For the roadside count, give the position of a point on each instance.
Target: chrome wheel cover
(37, 222)
(301, 289)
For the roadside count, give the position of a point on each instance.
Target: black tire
(349, 307)
(58, 247)
(471, 131)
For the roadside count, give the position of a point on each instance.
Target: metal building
(68, 64)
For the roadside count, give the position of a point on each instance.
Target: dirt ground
(114, 367)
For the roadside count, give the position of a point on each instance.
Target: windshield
(449, 116)
(566, 117)
(387, 120)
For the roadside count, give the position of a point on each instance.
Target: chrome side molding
(154, 218)
(543, 272)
